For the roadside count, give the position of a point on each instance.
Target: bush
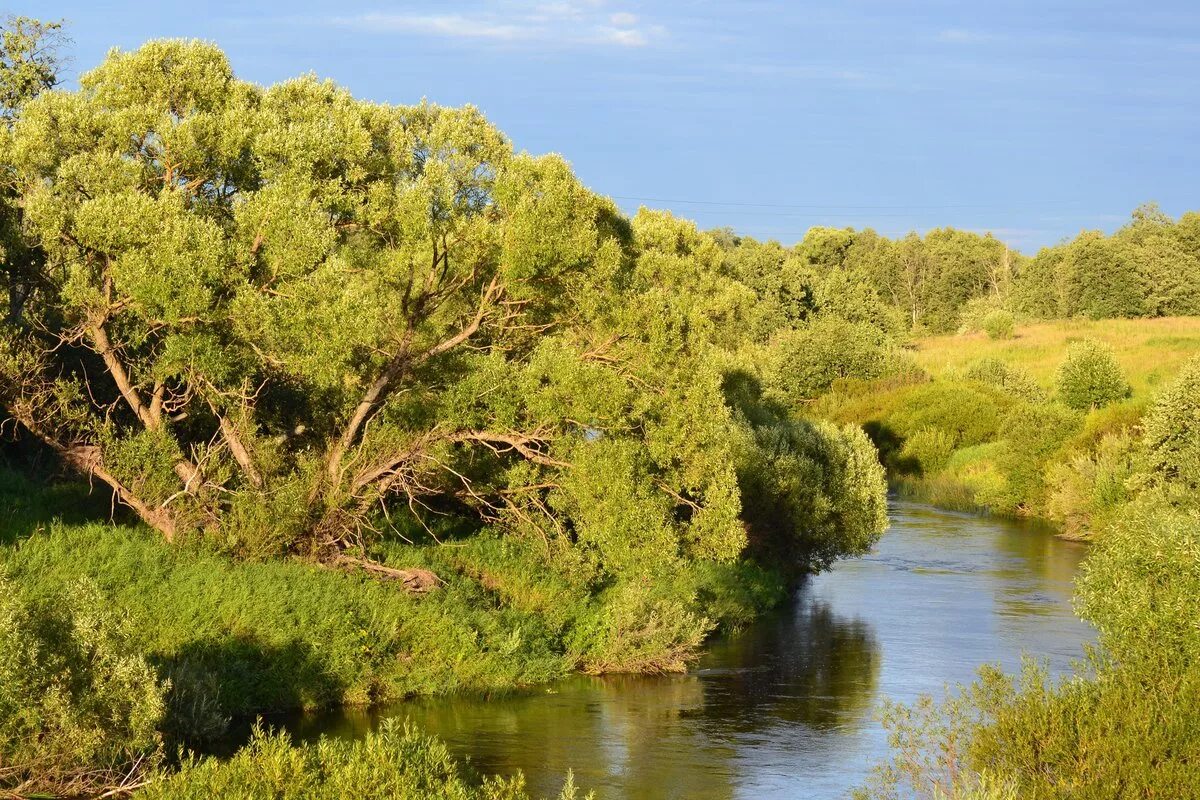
(1090, 377)
(1140, 585)
(814, 492)
(79, 708)
(807, 361)
(999, 324)
(638, 629)
(1033, 434)
(1085, 492)
(395, 762)
(927, 450)
(975, 310)
(968, 413)
(1007, 378)
(1172, 433)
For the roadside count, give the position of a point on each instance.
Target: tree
(1171, 439)
(1159, 251)
(1090, 377)
(29, 65)
(1098, 282)
(283, 318)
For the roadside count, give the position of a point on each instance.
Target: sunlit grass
(1150, 351)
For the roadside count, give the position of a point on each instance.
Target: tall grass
(1150, 351)
(981, 435)
(395, 762)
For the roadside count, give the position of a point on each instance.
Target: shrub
(1033, 434)
(999, 324)
(395, 762)
(927, 450)
(813, 492)
(79, 709)
(975, 310)
(807, 361)
(969, 413)
(1172, 433)
(1086, 491)
(634, 628)
(1009, 379)
(1090, 376)
(1140, 585)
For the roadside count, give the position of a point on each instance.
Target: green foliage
(394, 762)
(638, 628)
(1097, 282)
(1090, 376)
(814, 492)
(1151, 267)
(807, 360)
(297, 323)
(1140, 585)
(279, 635)
(79, 707)
(1171, 442)
(968, 413)
(999, 324)
(1033, 433)
(29, 60)
(1010, 379)
(1087, 491)
(928, 450)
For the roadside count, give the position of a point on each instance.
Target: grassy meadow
(984, 424)
(1150, 351)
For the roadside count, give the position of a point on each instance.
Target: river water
(788, 708)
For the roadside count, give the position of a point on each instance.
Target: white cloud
(965, 36)
(625, 37)
(561, 22)
(455, 25)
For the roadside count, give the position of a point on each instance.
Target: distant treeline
(948, 279)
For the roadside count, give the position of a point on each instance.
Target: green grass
(286, 634)
(275, 634)
(1149, 350)
(393, 762)
(1004, 457)
(240, 637)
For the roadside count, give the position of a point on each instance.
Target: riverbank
(983, 424)
(236, 637)
(786, 707)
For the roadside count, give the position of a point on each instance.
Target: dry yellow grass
(1150, 350)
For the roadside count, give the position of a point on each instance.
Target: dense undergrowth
(237, 637)
(1124, 724)
(1057, 441)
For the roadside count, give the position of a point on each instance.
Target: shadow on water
(787, 708)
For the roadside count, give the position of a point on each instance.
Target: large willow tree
(288, 320)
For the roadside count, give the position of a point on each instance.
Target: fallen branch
(417, 581)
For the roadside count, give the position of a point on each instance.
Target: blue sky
(1033, 120)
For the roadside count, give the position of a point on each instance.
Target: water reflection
(787, 708)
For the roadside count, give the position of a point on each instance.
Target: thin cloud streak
(579, 23)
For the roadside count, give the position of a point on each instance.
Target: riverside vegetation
(382, 407)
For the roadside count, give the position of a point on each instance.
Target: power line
(842, 207)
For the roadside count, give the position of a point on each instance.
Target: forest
(310, 401)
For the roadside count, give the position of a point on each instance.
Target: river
(788, 708)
